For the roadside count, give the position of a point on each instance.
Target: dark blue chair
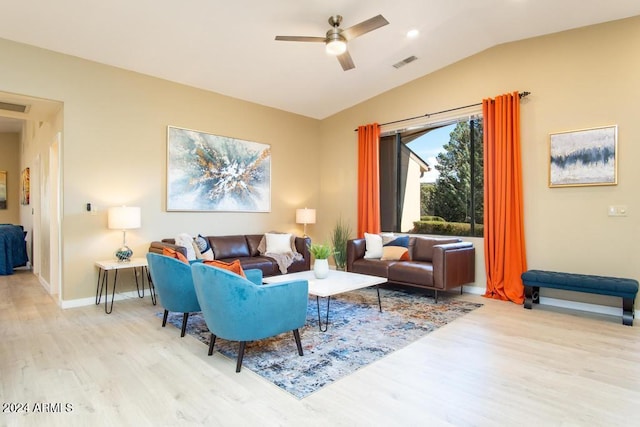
(174, 284)
(239, 309)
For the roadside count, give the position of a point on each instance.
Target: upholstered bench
(626, 289)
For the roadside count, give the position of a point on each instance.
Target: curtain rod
(521, 95)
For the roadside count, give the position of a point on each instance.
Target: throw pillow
(395, 253)
(396, 249)
(373, 246)
(233, 266)
(387, 237)
(278, 243)
(262, 247)
(183, 239)
(398, 241)
(204, 247)
(174, 254)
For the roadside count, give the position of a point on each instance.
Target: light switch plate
(618, 210)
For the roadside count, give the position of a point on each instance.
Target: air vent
(405, 61)
(18, 108)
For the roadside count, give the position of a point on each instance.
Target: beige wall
(113, 152)
(579, 79)
(10, 162)
(113, 147)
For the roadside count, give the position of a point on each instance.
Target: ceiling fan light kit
(336, 44)
(336, 47)
(336, 38)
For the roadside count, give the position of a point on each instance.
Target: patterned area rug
(358, 334)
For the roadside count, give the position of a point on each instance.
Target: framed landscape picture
(208, 172)
(26, 187)
(584, 157)
(3, 189)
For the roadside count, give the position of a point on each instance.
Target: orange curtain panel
(368, 179)
(504, 244)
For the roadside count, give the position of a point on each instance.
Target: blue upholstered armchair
(239, 309)
(174, 283)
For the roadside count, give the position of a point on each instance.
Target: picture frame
(25, 179)
(213, 173)
(3, 190)
(584, 157)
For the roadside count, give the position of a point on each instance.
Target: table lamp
(305, 216)
(124, 218)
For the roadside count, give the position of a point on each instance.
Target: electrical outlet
(618, 210)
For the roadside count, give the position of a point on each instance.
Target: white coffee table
(336, 283)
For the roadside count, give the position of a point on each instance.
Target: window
(431, 179)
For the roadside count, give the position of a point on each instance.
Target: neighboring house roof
(424, 166)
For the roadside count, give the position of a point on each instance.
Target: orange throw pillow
(174, 254)
(234, 266)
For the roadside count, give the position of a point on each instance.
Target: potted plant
(339, 237)
(321, 253)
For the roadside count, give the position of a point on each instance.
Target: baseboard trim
(44, 284)
(561, 303)
(83, 302)
(474, 290)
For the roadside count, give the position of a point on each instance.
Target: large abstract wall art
(208, 172)
(584, 157)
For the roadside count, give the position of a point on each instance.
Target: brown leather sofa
(434, 263)
(245, 249)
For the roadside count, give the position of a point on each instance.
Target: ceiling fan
(337, 38)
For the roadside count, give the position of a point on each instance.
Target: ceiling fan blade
(300, 39)
(364, 27)
(346, 61)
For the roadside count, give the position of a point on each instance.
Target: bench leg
(627, 311)
(531, 296)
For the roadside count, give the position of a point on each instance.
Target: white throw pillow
(183, 239)
(278, 243)
(373, 246)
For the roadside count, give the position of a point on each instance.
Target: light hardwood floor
(500, 365)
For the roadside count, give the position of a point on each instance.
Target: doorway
(39, 125)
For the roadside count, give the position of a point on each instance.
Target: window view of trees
(451, 193)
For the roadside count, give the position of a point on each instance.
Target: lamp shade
(305, 216)
(124, 218)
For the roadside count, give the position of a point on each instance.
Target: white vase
(321, 268)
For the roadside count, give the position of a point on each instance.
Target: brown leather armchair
(434, 263)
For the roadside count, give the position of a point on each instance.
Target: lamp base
(124, 254)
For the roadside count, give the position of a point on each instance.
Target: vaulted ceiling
(230, 48)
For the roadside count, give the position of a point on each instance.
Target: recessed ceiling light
(412, 34)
